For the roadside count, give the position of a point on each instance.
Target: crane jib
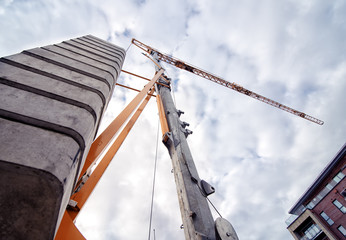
(202, 73)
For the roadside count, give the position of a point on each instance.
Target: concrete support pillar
(51, 103)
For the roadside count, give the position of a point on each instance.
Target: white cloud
(259, 158)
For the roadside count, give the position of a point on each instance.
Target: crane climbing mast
(202, 73)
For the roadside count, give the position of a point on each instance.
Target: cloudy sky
(259, 159)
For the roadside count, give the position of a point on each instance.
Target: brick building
(320, 213)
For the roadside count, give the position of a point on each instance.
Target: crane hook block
(207, 188)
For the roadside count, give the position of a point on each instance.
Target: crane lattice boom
(202, 73)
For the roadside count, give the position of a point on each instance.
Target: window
(327, 218)
(312, 231)
(311, 205)
(343, 193)
(339, 177)
(329, 186)
(342, 230)
(340, 206)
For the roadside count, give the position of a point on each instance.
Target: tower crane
(192, 190)
(212, 77)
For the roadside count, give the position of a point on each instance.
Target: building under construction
(52, 102)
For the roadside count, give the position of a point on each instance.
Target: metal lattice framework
(202, 73)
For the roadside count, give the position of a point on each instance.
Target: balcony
(314, 237)
(312, 232)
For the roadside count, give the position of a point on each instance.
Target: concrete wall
(51, 103)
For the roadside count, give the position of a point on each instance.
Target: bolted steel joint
(185, 124)
(186, 132)
(163, 81)
(180, 112)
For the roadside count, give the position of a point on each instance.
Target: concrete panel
(92, 50)
(99, 46)
(87, 60)
(88, 54)
(72, 65)
(51, 102)
(48, 110)
(49, 87)
(105, 43)
(60, 73)
(33, 178)
(96, 47)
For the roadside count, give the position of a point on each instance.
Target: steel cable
(154, 180)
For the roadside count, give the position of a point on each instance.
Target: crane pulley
(202, 73)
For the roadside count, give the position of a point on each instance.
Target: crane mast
(197, 218)
(212, 77)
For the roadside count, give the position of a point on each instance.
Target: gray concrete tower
(51, 102)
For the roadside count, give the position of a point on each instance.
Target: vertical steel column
(197, 218)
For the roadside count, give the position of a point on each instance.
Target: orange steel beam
(163, 120)
(67, 229)
(83, 194)
(102, 141)
(212, 77)
(124, 86)
(136, 75)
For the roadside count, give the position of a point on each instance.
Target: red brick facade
(326, 205)
(321, 211)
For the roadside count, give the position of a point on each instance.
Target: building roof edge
(338, 157)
